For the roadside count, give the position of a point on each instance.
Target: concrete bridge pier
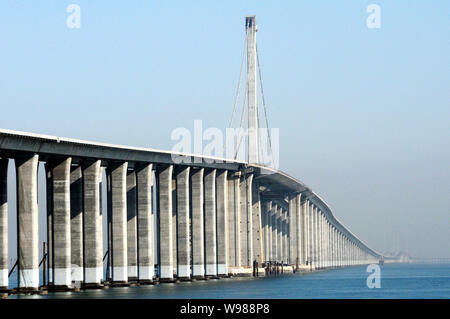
(320, 235)
(58, 171)
(284, 229)
(132, 242)
(27, 222)
(165, 223)
(274, 218)
(307, 236)
(255, 211)
(246, 236)
(92, 224)
(198, 261)
(4, 224)
(267, 205)
(76, 224)
(233, 221)
(210, 224)
(222, 223)
(117, 191)
(183, 224)
(317, 238)
(293, 240)
(313, 235)
(299, 232)
(144, 184)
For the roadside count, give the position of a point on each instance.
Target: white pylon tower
(251, 29)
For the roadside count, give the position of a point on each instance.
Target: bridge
(166, 221)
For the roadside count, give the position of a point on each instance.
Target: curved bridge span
(167, 221)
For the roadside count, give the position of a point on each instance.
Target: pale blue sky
(364, 114)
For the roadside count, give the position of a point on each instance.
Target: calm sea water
(397, 281)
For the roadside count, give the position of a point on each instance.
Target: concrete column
(144, 183)
(76, 223)
(174, 225)
(336, 245)
(222, 223)
(210, 223)
(327, 243)
(312, 236)
(269, 230)
(299, 231)
(198, 260)
(307, 255)
(165, 222)
(132, 242)
(302, 231)
(117, 189)
(60, 179)
(320, 232)
(293, 240)
(285, 226)
(92, 223)
(257, 239)
(279, 234)
(319, 244)
(183, 224)
(265, 222)
(316, 238)
(336, 248)
(246, 221)
(4, 224)
(324, 242)
(49, 202)
(27, 221)
(234, 219)
(332, 248)
(320, 238)
(274, 224)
